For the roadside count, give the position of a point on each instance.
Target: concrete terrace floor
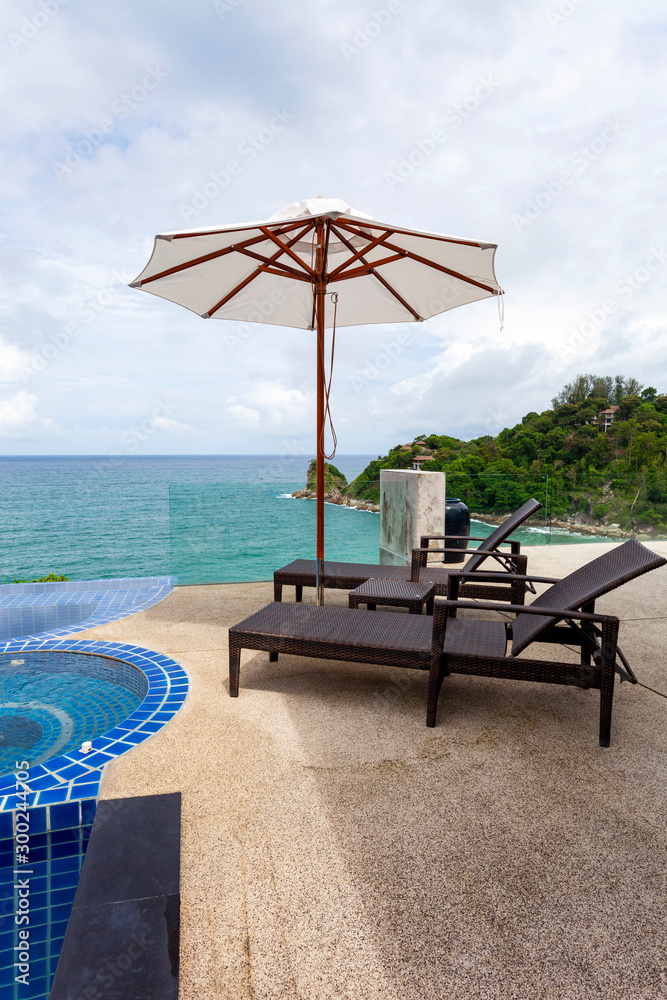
(334, 847)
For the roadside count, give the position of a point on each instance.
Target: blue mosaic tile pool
(50, 702)
(55, 802)
(74, 775)
(47, 880)
(57, 609)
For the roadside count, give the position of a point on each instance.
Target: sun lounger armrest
(418, 554)
(479, 575)
(424, 540)
(442, 608)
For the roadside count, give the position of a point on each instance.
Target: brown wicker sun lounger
(348, 576)
(445, 644)
(479, 647)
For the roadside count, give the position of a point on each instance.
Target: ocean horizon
(201, 518)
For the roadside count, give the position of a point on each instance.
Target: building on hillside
(605, 418)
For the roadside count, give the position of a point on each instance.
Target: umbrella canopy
(315, 264)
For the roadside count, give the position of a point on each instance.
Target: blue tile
(38, 950)
(84, 791)
(58, 928)
(37, 820)
(6, 825)
(38, 840)
(88, 809)
(57, 795)
(66, 836)
(61, 912)
(37, 990)
(64, 816)
(63, 880)
(65, 850)
(72, 771)
(64, 866)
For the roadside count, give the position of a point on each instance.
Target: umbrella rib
(256, 273)
(441, 267)
(201, 260)
(359, 253)
(285, 274)
(278, 268)
(189, 235)
(352, 228)
(359, 272)
(286, 248)
(379, 277)
(230, 295)
(235, 247)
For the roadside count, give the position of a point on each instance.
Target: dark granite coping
(122, 938)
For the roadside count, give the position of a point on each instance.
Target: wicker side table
(396, 594)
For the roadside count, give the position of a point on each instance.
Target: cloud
(14, 362)
(517, 100)
(273, 410)
(17, 413)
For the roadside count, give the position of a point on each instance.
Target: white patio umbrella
(318, 263)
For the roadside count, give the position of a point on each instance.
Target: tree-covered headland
(607, 468)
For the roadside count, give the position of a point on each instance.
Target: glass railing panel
(222, 532)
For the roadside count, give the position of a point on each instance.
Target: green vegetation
(51, 578)
(614, 476)
(332, 477)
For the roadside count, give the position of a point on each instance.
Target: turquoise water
(50, 702)
(205, 519)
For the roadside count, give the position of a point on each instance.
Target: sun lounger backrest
(502, 532)
(608, 571)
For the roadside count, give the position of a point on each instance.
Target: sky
(538, 125)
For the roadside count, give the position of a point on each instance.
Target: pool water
(52, 701)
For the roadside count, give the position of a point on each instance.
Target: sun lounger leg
(435, 677)
(273, 656)
(277, 591)
(234, 669)
(298, 592)
(609, 645)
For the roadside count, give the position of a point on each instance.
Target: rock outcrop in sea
(335, 486)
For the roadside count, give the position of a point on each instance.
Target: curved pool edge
(113, 598)
(74, 776)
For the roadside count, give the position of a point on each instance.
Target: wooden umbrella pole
(320, 292)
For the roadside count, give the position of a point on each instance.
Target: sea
(201, 518)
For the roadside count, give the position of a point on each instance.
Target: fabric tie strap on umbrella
(313, 261)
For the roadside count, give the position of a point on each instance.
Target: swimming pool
(47, 810)
(57, 609)
(53, 701)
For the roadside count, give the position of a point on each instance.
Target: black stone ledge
(122, 938)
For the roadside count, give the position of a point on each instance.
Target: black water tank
(457, 522)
